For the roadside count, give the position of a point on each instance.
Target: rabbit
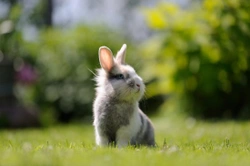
(118, 119)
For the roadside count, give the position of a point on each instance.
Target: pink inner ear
(106, 59)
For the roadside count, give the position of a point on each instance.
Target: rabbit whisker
(92, 72)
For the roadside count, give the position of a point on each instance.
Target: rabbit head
(116, 79)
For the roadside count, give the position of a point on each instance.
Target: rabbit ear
(106, 58)
(120, 57)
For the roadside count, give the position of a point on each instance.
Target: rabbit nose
(131, 84)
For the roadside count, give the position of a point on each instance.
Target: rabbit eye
(119, 76)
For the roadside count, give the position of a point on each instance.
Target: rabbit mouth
(138, 89)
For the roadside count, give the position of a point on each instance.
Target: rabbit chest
(113, 116)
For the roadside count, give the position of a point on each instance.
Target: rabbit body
(117, 117)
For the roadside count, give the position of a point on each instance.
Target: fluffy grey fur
(117, 117)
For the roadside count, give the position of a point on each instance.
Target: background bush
(198, 55)
(202, 55)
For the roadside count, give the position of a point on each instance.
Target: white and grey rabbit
(118, 119)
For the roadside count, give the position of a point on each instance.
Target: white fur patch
(126, 133)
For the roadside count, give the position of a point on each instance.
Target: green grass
(181, 141)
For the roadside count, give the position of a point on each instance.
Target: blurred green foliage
(202, 54)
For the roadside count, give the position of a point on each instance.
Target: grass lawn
(181, 141)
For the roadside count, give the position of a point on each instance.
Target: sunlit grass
(181, 141)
